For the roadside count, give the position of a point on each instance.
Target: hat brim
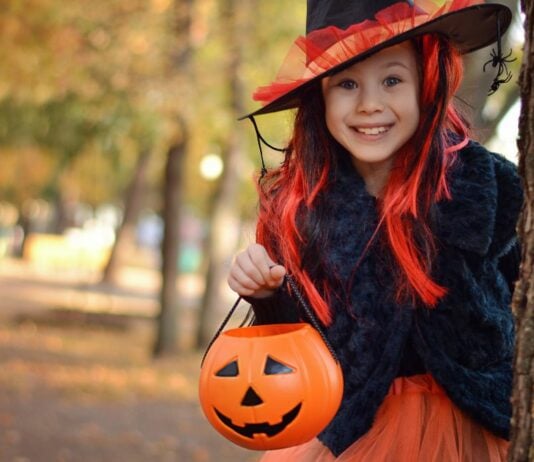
(468, 29)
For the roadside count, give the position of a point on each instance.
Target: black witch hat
(342, 32)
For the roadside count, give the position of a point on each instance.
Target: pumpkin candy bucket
(270, 386)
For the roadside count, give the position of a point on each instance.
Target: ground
(79, 384)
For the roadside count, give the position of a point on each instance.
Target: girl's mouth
(372, 130)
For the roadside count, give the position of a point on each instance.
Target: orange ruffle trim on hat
(417, 422)
(322, 50)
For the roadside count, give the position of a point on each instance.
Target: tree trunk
(167, 336)
(167, 340)
(126, 232)
(220, 245)
(52, 192)
(62, 214)
(222, 239)
(522, 445)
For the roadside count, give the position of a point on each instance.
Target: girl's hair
(290, 223)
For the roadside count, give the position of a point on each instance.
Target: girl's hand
(254, 274)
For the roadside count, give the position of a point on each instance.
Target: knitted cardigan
(466, 342)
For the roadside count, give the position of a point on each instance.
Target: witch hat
(342, 32)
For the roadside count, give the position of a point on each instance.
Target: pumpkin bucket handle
(309, 313)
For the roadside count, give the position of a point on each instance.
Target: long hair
(290, 223)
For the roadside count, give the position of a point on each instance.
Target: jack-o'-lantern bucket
(270, 386)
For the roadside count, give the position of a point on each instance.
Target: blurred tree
(522, 447)
(125, 235)
(210, 106)
(221, 242)
(87, 73)
(167, 338)
(62, 129)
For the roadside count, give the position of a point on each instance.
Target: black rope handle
(309, 313)
(221, 327)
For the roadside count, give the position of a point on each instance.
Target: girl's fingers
(249, 268)
(243, 278)
(277, 274)
(260, 259)
(263, 263)
(239, 282)
(254, 273)
(238, 288)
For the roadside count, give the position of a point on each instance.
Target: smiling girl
(372, 110)
(399, 229)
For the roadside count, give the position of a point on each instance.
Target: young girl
(399, 229)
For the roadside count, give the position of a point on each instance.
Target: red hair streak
(419, 178)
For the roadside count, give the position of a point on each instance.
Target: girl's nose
(369, 101)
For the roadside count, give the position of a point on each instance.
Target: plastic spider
(500, 62)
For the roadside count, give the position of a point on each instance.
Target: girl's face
(372, 107)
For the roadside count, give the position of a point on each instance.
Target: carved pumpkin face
(268, 387)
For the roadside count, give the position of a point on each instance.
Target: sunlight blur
(211, 166)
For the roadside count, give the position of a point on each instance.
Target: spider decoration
(503, 74)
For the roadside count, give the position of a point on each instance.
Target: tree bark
(221, 240)
(167, 340)
(126, 231)
(522, 444)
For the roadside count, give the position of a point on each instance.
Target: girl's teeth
(372, 131)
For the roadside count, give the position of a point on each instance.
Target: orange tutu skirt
(417, 422)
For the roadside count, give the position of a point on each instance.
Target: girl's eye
(391, 81)
(348, 84)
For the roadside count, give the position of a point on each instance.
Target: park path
(77, 383)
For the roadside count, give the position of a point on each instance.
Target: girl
(399, 229)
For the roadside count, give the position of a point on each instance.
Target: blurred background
(126, 187)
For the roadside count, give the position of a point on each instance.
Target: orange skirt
(417, 422)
